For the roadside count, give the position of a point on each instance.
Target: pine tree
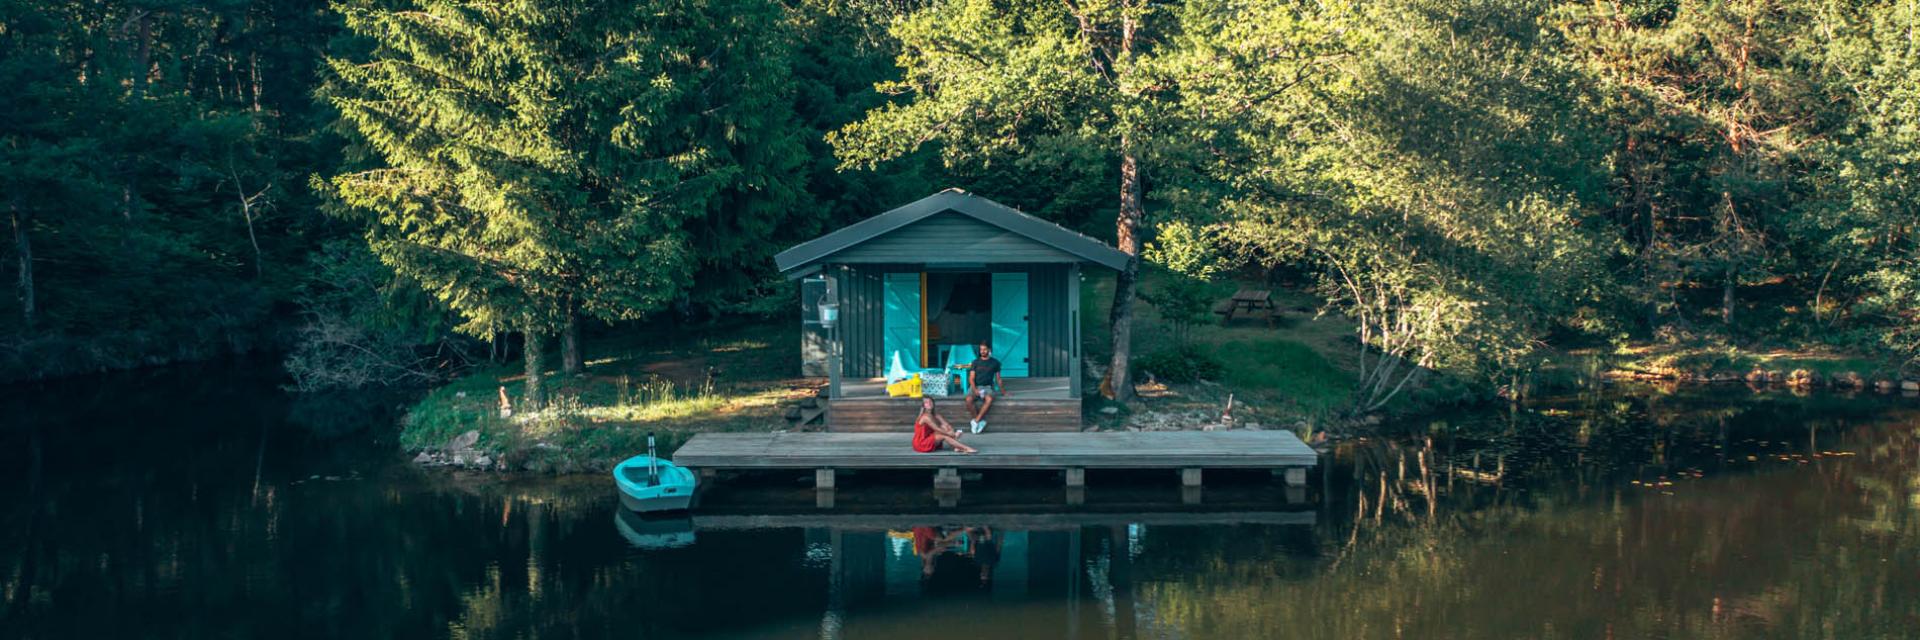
(531, 160)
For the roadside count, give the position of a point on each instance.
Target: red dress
(923, 540)
(923, 440)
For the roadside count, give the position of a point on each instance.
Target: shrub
(1189, 262)
(1185, 363)
(1183, 301)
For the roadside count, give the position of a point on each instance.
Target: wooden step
(1011, 415)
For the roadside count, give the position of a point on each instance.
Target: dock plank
(1103, 450)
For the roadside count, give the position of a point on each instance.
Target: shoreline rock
(460, 453)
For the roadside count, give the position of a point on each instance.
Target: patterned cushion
(934, 383)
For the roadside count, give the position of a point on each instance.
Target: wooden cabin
(949, 270)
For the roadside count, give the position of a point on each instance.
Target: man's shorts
(983, 391)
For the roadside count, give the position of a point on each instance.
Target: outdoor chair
(959, 360)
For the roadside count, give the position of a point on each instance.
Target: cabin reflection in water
(918, 579)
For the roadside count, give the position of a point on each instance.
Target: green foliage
(1182, 301)
(1440, 190)
(1186, 363)
(521, 171)
(1894, 296)
(363, 326)
(146, 151)
(1142, 87)
(1185, 249)
(1185, 296)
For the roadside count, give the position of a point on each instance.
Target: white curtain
(939, 291)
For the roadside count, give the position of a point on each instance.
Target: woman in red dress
(930, 431)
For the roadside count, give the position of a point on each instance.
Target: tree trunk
(1127, 232)
(1726, 299)
(1642, 205)
(572, 360)
(24, 246)
(246, 213)
(535, 396)
(143, 55)
(253, 69)
(142, 72)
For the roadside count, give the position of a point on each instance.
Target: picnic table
(1258, 301)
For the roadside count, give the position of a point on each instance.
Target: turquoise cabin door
(901, 320)
(1010, 323)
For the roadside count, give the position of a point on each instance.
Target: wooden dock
(1189, 452)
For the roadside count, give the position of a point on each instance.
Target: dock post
(1190, 477)
(1296, 477)
(947, 478)
(823, 499)
(823, 479)
(1076, 485)
(703, 481)
(946, 487)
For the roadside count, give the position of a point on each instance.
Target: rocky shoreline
(460, 453)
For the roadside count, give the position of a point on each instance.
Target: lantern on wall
(829, 312)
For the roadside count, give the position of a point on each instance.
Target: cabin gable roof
(1053, 243)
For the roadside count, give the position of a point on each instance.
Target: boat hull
(660, 503)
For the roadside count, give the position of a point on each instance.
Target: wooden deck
(1036, 405)
(1187, 451)
(1047, 388)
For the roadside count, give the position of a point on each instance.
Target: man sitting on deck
(983, 383)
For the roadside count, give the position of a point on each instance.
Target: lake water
(205, 503)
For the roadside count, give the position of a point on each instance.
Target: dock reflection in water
(1010, 576)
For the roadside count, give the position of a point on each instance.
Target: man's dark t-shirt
(984, 370)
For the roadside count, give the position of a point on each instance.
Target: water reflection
(643, 532)
(214, 507)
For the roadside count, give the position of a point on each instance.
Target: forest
(374, 189)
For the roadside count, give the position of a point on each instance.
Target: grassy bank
(731, 377)
(1299, 369)
(1706, 361)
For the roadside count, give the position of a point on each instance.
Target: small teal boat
(648, 484)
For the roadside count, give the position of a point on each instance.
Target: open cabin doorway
(959, 314)
(937, 318)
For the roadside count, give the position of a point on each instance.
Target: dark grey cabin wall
(861, 320)
(1049, 326)
(1049, 334)
(950, 238)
